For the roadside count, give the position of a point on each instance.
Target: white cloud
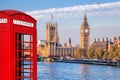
(93, 9)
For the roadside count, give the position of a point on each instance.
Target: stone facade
(100, 44)
(51, 46)
(107, 45)
(115, 42)
(84, 34)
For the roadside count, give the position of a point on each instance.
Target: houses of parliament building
(52, 46)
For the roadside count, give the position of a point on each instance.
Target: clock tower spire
(84, 34)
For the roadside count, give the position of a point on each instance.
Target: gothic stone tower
(84, 34)
(52, 39)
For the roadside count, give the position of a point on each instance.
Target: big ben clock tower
(84, 34)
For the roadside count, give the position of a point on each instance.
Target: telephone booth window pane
(27, 46)
(27, 38)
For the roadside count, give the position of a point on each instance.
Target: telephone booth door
(24, 56)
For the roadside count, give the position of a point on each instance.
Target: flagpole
(51, 17)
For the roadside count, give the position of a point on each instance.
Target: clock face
(86, 30)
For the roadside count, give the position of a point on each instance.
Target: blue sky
(25, 5)
(103, 16)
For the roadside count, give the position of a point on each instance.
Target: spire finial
(85, 15)
(69, 40)
(85, 19)
(103, 40)
(69, 44)
(107, 39)
(94, 39)
(98, 39)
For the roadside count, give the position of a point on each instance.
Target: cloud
(92, 9)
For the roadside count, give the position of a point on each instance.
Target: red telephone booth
(18, 59)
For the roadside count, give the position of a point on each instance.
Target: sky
(103, 16)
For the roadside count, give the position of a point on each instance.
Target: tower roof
(85, 23)
(85, 18)
(69, 40)
(14, 12)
